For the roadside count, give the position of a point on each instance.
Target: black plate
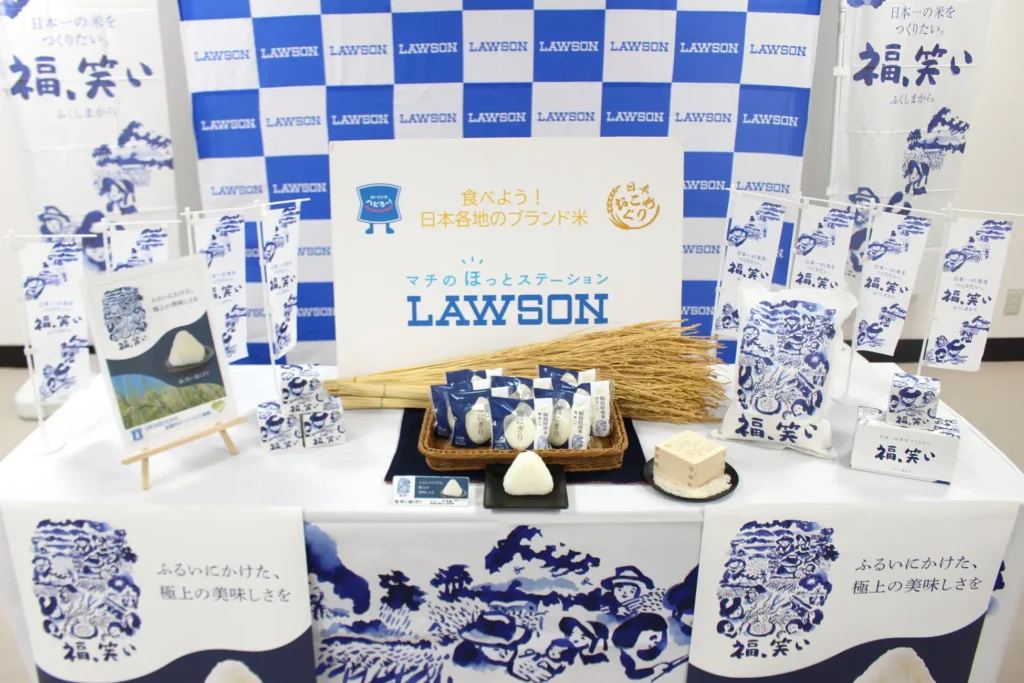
(495, 497)
(187, 368)
(649, 476)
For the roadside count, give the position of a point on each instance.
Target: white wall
(994, 161)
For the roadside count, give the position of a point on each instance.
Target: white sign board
(449, 247)
(827, 592)
(164, 365)
(151, 594)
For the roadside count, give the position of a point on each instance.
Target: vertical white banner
(911, 69)
(221, 241)
(135, 247)
(280, 258)
(890, 269)
(57, 330)
(822, 247)
(84, 83)
(972, 268)
(751, 247)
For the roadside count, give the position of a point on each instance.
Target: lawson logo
(499, 46)
(634, 117)
(357, 50)
(289, 52)
(709, 249)
(360, 119)
(429, 117)
(763, 186)
(292, 121)
(227, 124)
(428, 48)
(771, 120)
(703, 117)
(706, 185)
(709, 48)
(298, 188)
(235, 190)
(640, 46)
(773, 49)
(566, 116)
(221, 55)
(569, 46)
(698, 310)
(496, 117)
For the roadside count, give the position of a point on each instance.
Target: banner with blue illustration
(911, 69)
(563, 235)
(153, 594)
(822, 247)
(460, 602)
(279, 237)
(274, 84)
(220, 238)
(891, 262)
(965, 300)
(751, 246)
(162, 360)
(809, 592)
(137, 244)
(84, 84)
(51, 276)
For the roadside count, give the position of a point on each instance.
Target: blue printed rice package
(518, 387)
(471, 413)
(278, 431)
(789, 341)
(325, 427)
(513, 426)
(571, 377)
(453, 377)
(439, 401)
(302, 389)
(560, 426)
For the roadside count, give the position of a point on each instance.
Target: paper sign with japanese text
(164, 365)
(57, 331)
(751, 247)
(448, 247)
(154, 594)
(972, 269)
(220, 238)
(838, 592)
(821, 248)
(892, 259)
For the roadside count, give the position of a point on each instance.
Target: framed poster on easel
(165, 369)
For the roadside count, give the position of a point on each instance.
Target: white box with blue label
(913, 401)
(302, 389)
(278, 431)
(325, 427)
(912, 452)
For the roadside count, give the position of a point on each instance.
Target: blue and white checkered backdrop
(274, 81)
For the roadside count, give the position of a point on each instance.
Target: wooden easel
(145, 454)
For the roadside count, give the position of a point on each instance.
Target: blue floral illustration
(124, 315)
(775, 585)
(869, 333)
(82, 579)
(58, 378)
(220, 241)
(559, 611)
(231, 320)
(284, 329)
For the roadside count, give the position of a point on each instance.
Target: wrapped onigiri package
(517, 387)
(788, 343)
(513, 427)
(571, 377)
(439, 401)
(471, 417)
(600, 394)
(560, 425)
(453, 377)
(543, 412)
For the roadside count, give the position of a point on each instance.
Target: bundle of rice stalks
(661, 372)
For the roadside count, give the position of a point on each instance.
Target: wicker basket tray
(605, 452)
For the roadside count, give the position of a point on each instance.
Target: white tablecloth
(345, 483)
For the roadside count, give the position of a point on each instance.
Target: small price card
(430, 491)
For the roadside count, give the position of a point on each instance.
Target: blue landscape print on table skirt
(563, 612)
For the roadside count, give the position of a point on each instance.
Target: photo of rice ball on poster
(162, 357)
